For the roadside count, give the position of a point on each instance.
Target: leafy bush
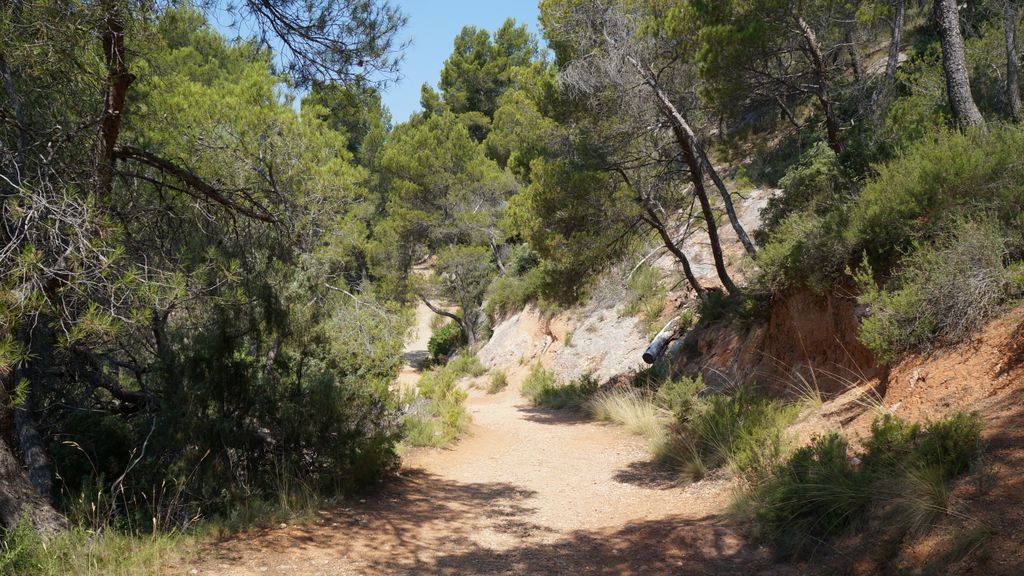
(935, 185)
(680, 396)
(444, 341)
(815, 184)
(509, 294)
(945, 292)
(499, 380)
(815, 495)
(542, 388)
(905, 468)
(805, 249)
(435, 412)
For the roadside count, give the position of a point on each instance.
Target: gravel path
(528, 491)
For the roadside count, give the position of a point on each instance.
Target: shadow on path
(554, 417)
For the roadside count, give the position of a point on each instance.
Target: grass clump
(435, 412)
(903, 472)
(25, 552)
(743, 431)
(542, 388)
(499, 381)
(634, 409)
(645, 298)
(814, 495)
(466, 365)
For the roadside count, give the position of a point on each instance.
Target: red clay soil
(984, 536)
(807, 336)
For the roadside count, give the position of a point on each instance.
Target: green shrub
(815, 495)
(905, 469)
(645, 298)
(680, 396)
(890, 445)
(942, 180)
(510, 293)
(805, 249)
(714, 307)
(952, 444)
(944, 292)
(915, 200)
(444, 341)
(815, 184)
(499, 380)
(466, 365)
(435, 413)
(542, 388)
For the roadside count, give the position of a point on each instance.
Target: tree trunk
(856, 62)
(41, 344)
(823, 91)
(954, 64)
(670, 244)
(654, 221)
(118, 80)
(18, 497)
(895, 44)
(695, 160)
(1012, 59)
(688, 139)
(464, 324)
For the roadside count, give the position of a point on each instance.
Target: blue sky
(432, 27)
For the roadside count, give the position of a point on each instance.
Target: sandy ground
(528, 491)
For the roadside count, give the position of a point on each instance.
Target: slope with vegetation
(212, 251)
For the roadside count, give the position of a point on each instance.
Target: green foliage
(936, 183)
(814, 184)
(481, 67)
(904, 468)
(805, 249)
(572, 215)
(645, 297)
(499, 381)
(353, 110)
(944, 292)
(435, 412)
(742, 430)
(444, 341)
(542, 388)
(936, 187)
(680, 396)
(25, 552)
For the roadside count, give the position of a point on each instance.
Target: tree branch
(190, 178)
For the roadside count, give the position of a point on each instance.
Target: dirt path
(529, 491)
